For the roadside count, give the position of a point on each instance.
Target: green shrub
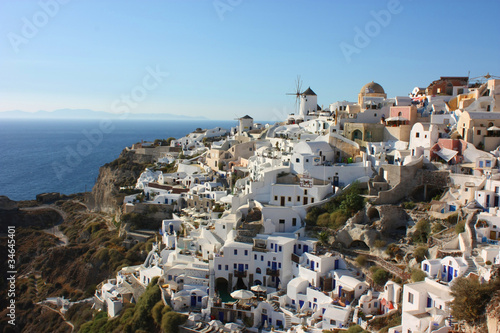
(420, 253)
(361, 260)
(460, 227)
(409, 205)
(418, 275)
(380, 276)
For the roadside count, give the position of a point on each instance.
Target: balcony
(240, 274)
(295, 258)
(272, 272)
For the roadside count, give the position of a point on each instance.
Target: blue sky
(227, 58)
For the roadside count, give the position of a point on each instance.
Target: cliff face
(123, 171)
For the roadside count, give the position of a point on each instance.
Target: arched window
(258, 270)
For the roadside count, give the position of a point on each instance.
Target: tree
(171, 320)
(156, 312)
(470, 298)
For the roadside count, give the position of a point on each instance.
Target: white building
(445, 269)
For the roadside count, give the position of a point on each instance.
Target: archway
(358, 244)
(373, 214)
(357, 135)
(222, 288)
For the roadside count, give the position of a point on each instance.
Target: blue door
(274, 265)
(306, 248)
(221, 316)
(193, 300)
(301, 303)
(336, 264)
(171, 229)
(264, 318)
(312, 265)
(450, 273)
(340, 291)
(240, 268)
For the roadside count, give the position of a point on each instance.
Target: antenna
(297, 93)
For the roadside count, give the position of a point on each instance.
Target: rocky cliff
(123, 171)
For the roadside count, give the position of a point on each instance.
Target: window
(220, 267)
(258, 270)
(300, 246)
(282, 221)
(261, 258)
(246, 266)
(426, 267)
(478, 132)
(297, 160)
(281, 249)
(272, 245)
(235, 266)
(429, 302)
(417, 135)
(410, 298)
(298, 198)
(268, 264)
(294, 220)
(275, 198)
(307, 160)
(332, 322)
(279, 265)
(246, 252)
(254, 257)
(315, 299)
(227, 267)
(235, 252)
(305, 192)
(289, 199)
(312, 200)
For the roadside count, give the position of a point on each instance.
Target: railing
(295, 258)
(272, 272)
(241, 274)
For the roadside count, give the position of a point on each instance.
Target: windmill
(297, 93)
(481, 79)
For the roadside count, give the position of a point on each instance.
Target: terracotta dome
(372, 88)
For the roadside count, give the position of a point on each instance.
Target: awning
(446, 154)
(396, 119)
(493, 128)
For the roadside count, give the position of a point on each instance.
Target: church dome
(372, 88)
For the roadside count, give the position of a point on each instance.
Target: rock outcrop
(123, 171)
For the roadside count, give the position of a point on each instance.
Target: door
(450, 273)
(171, 229)
(221, 316)
(336, 264)
(312, 265)
(301, 304)
(305, 201)
(493, 235)
(274, 266)
(340, 291)
(264, 319)
(241, 268)
(193, 300)
(282, 201)
(306, 248)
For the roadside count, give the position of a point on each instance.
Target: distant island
(91, 114)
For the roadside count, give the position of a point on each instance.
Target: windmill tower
(308, 102)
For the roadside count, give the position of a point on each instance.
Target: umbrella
(242, 294)
(493, 128)
(259, 288)
(232, 327)
(128, 270)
